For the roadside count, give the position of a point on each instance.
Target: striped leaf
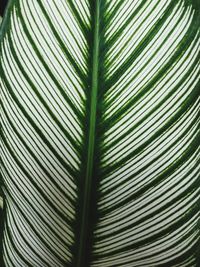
(100, 107)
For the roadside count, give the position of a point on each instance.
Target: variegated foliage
(100, 133)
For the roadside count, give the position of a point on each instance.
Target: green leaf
(100, 106)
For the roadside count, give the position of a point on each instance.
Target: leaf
(100, 133)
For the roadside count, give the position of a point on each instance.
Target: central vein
(91, 142)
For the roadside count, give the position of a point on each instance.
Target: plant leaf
(100, 138)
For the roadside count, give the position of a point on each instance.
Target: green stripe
(91, 142)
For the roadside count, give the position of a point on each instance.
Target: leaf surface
(100, 138)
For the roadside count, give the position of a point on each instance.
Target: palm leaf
(100, 137)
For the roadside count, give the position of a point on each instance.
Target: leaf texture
(100, 133)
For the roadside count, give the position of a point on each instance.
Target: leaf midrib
(91, 140)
